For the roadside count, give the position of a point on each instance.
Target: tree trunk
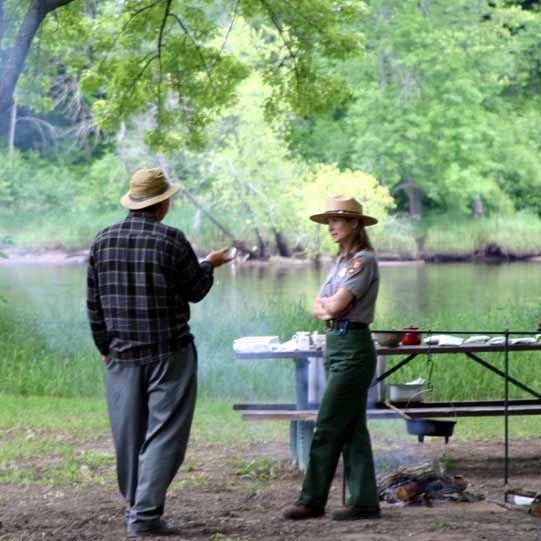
(414, 198)
(260, 253)
(281, 244)
(13, 64)
(477, 207)
(423, 4)
(262, 245)
(12, 124)
(2, 22)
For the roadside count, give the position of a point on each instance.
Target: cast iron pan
(430, 427)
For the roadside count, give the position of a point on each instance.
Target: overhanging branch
(51, 5)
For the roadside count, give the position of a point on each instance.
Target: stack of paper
(256, 344)
(443, 340)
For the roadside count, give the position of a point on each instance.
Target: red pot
(411, 338)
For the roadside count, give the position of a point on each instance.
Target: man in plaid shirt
(141, 277)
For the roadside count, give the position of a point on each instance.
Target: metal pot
(406, 392)
(430, 427)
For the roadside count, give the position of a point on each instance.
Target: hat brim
(133, 204)
(323, 218)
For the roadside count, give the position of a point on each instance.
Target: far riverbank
(434, 239)
(36, 256)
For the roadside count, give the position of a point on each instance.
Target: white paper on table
(288, 345)
(524, 340)
(477, 339)
(443, 340)
(255, 344)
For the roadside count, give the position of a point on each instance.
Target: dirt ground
(237, 494)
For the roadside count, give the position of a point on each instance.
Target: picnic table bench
(302, 413)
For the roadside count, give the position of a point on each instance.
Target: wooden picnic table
(303, 412)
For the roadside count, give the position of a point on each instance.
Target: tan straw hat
(147, 187)
(342, 206)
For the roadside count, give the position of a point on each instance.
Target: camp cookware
(389, 339)
(411, 336)
(425, 427)
(406, 392)
(430, 427)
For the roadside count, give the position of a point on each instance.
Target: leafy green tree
(248, 181)
(435, 92)
(328, 180)
(252, 172)
(169, 56)
(19, 24)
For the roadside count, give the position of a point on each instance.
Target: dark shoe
(356, 513)
(299, 511)
(162, 530)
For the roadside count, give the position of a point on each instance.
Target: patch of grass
(486, 428)
(216, 423)
(192, 481)
(52, 441)
(69, 229)
(466, 428)
(62, 441)
(75, 417)
(446, 462)
(65, 441)
(261, 468)
(516, 233)
(438, 524)
(58, 466)
(219, 536)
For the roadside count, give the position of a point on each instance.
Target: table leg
(305, 431)
(301, 431)
(301, 383)
(293, 428)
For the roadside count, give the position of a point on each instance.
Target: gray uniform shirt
(360, 275)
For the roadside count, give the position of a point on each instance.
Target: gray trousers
(151, 409)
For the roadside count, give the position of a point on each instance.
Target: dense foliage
(446, 106)
(263, 108)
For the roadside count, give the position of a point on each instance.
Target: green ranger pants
(350, 362)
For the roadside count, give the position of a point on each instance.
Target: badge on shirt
(354, 266)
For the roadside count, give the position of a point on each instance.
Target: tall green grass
(34, 364)
(518, 234)
(460, 236)
(46, 349)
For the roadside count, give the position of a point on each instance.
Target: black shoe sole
(342, 516)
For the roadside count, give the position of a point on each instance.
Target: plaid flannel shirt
(141, 277)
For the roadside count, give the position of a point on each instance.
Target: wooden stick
(399, 411)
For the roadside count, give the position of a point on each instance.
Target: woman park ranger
(346, 305)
